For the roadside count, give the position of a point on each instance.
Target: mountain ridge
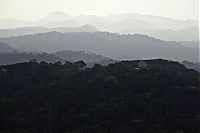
(104, 43)
(39, 29)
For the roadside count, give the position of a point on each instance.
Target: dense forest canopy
(125, 97)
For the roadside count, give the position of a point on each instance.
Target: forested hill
(19, 57)
(111, 45)
(125, 97)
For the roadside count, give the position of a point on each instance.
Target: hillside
(193, 44)
(129, 96)
(133, 23)
(107, 44)
(189, 33)
(80, 55)
(62, 56)
(4, 48)
(38, 29)
(19, 57)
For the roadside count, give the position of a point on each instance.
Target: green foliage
(142, 65)
(3, 71)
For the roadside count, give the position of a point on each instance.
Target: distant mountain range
(194, 44)
(35, 30)
(55, 16)
(189, 33)
(117, 22)
(107, 44)
(130, 23)
(9, 55)
(134, 36)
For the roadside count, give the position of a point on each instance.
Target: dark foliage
(162, 97)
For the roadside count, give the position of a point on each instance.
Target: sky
(37, 9)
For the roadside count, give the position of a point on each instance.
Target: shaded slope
(107, 44)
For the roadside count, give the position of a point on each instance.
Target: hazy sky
(36, 9)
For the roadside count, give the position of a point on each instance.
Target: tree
(142, 65)
(3, 71)
(33, 61)
(81, 64)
